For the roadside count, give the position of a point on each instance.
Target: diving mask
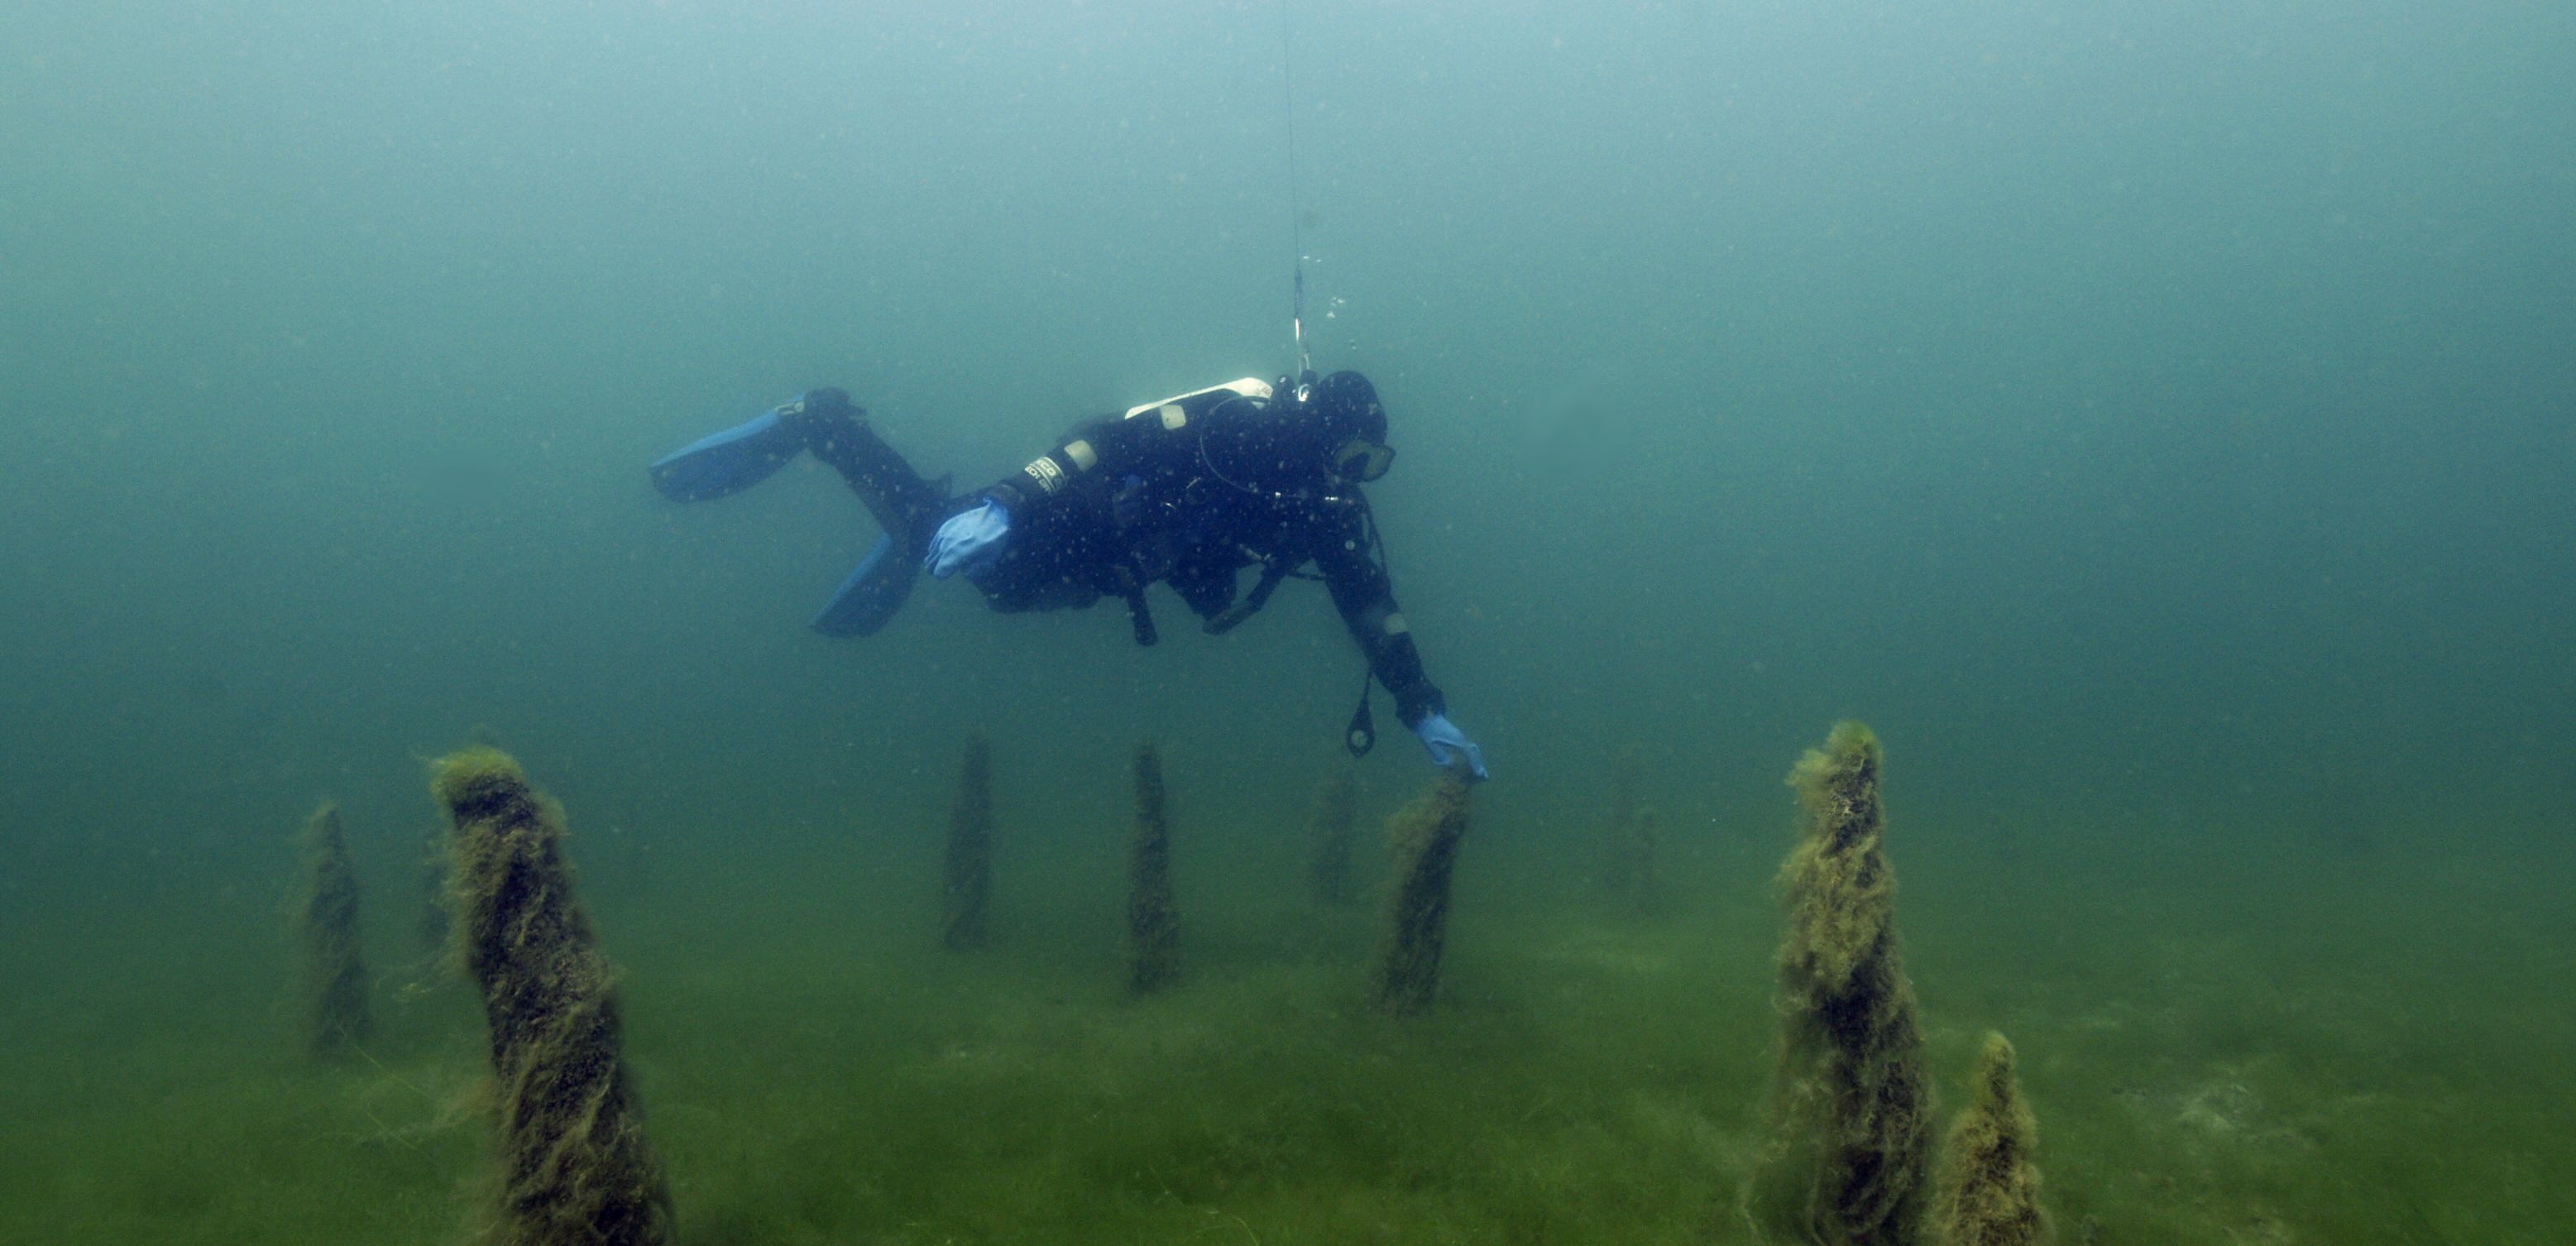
(1362, 460)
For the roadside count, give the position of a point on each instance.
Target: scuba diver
(1186, 491)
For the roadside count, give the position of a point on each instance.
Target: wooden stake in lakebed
(1153, 919)
(574, 1162)
(1422, 842)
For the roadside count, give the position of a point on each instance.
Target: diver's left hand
(1450, 747)
(968, 542)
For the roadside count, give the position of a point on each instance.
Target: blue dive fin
(727, 462)
(872, 593)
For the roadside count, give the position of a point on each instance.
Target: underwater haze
(2155, 420)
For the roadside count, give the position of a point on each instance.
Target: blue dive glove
(1449, 746)
(969, 541)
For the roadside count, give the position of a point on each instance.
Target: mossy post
(1422, 844)
(1856, 1110)
(1153, 920)
(1618, 833)
(966, 881)
(1989, 1188)
(1328, 875)
(575, 1166)
(326, 925)
(1645, 845)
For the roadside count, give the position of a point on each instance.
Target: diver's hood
(1347, 405)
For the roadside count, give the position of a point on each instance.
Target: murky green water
(2153, 420)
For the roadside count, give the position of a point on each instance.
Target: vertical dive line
(1296, 222)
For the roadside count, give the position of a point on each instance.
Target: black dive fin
(871, 595)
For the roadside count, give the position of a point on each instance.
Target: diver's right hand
(1450, 748)
(969, 541)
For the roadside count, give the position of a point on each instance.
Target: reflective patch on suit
(1082, 455)
(1173, 416)
(1049, 476)
(1395, 624)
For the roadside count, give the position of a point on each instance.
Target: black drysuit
(1187, 492)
